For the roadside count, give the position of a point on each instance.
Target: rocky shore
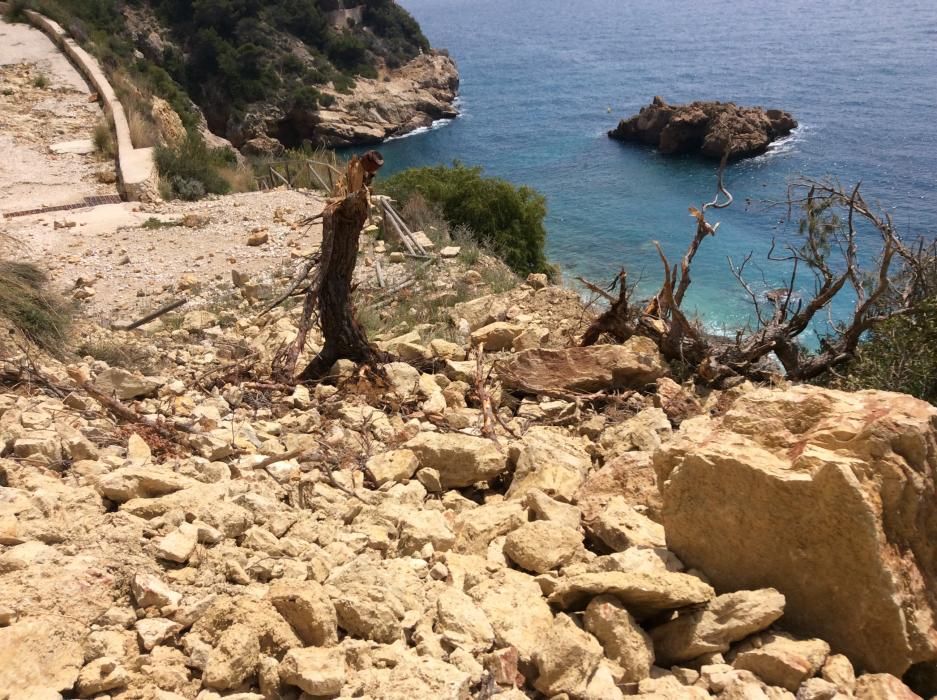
(395, 103)
(406, 99)
(708, 128)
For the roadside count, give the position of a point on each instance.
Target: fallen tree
(829, 255)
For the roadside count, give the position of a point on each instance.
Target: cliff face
(710, 128)
(267, 76)
(397, 102)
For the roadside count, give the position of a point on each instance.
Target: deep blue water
(538, 77)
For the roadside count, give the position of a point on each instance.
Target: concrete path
(44, 103)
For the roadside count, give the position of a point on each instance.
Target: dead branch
(125, 413)
(830, 228)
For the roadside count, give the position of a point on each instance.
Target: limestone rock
(150, 591)
(841, 485)
(308, 609)
(783, 661)
(496, 336)
(234, 658)
(542, 546)
(883, 686)
(549, 460)
(476, 528)
(461, 460)
(566, 660)
(621, 637)
(126, 385)
(273, 633)
(372, 599)
(501, 598)
(101, 675)
(839, 671)
(314, 670)
(620, 526)
(41, 654)
(632, 365)
(726, 619)
(127, 483)
(394, 465)
(462, 623)
(641, 593)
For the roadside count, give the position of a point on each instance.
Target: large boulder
(827, 496)
(631, 365)
(709, 128)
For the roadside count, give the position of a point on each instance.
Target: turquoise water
(538, 77)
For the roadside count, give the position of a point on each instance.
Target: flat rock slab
(640, 593)
(80, 147)
(631, 365)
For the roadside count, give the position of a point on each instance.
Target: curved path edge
(136, 167)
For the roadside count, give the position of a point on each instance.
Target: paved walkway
(44, 102)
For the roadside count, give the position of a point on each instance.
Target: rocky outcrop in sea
(709, 128)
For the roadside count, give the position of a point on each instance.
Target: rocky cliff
(280, 74)
(709, 128)
(395, 103)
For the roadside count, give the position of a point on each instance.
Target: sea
(544, 80)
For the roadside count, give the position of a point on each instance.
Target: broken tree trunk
(342, 223)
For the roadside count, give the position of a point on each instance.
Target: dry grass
(240, 178)
(26, 302)
(103, 138)
(143, 132)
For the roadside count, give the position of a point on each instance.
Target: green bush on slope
(898, 355)
(191, 170)
(507, 219)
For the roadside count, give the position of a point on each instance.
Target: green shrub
(505, 218)
(898, 355)
(25, 302)
(191, 170)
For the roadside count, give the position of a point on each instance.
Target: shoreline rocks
(403, 100)
(708, 128)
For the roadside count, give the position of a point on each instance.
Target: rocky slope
(709, 128)
(378, 536)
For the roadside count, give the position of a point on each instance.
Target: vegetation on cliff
(227, 54)
(505, 218)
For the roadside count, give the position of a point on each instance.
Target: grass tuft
(26, 302)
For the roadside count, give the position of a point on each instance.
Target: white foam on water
(437, 124)
(786, 144)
